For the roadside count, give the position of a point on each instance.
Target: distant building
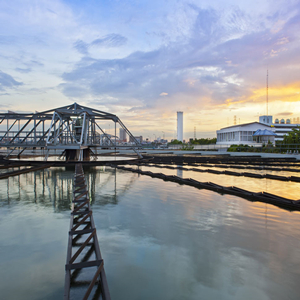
(266, 119)
(180, 126)
(138, 138)
(122, 135)
(281, 128)
(265, 130)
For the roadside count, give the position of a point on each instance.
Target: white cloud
(125, 53)
(7, 81)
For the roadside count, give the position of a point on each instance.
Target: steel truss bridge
(74, 129)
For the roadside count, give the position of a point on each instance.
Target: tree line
(201, 141)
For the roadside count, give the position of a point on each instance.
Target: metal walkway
(83, 240)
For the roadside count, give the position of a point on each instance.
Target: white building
(239, 134)
(280, 127)
(243, 134)
(180, 126)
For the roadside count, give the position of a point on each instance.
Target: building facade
(243, 133)
(239, 134)
(280, 127)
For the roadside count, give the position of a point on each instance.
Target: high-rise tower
(180, 126)
(122, 134)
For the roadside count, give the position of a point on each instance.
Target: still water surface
(159, 240)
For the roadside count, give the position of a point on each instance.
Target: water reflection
(179, 172)
(159, 240)
(48, 187)
(285, 189)
(197, 244)
(54, 186)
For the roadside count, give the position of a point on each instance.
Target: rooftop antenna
(267, 92)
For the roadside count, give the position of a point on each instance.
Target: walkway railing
(83, 240)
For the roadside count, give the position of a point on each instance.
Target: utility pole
(267, 92)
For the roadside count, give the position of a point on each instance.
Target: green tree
(203, 141)
(292, 137)
(175, 142)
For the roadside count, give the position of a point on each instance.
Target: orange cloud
(287, 93)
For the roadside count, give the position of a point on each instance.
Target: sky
(146, 60)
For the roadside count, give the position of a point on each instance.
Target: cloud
(7, 81)
(21, 70)
(73, 91)
(81, 47)
(286, 93)
(156, 58)
(110, 41)
(286, 113)
(196, 68)
(142, 75)
(7, 40)
(35, 63)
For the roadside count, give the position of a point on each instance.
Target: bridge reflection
(53, 187)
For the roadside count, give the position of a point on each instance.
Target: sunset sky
(146, 60)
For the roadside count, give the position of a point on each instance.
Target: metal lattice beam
(68, 127)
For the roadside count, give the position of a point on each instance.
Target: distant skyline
(146, 60)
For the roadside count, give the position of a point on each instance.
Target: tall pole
(267, 91)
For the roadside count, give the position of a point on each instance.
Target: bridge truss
(72, 127)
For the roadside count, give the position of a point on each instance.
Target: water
(62, 158)
(159, 240)
(285, 189)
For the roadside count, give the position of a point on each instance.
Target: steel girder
(68, 127)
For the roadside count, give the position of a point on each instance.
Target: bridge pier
(74, 154)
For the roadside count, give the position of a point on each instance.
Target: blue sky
(145, 60)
